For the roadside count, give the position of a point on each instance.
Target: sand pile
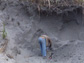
(24, 29)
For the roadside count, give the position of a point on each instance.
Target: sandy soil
(23, 32)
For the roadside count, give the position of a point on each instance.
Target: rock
(9, 56)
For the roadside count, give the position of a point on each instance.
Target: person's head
(50, 43)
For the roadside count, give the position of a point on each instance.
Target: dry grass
(49, 3)
(55, 4)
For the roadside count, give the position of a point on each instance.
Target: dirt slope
(23, 31)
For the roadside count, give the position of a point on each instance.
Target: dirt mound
(24, 26)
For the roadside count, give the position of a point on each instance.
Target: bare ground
(23, 32)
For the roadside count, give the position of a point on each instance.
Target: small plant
(4, 33)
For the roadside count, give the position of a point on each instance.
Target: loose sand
(23, 32)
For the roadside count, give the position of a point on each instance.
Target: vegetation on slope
(54, 4)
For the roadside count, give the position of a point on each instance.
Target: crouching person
(45, 44)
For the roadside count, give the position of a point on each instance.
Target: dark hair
(50, 44)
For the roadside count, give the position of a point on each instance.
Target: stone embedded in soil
(9, 56)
